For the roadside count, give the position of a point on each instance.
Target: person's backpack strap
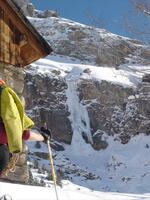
(1, 88)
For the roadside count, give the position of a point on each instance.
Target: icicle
(78, 112)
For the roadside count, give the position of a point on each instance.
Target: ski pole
(52, 167)
(43, 122)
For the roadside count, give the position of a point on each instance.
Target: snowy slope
(40, 193)
(69, 192)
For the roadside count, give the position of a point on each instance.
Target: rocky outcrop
(45, 14)
(86, 43)
(27, 7)
(29, 10)
(117, 111)
(90, 44)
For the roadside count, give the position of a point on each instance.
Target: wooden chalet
(20, 43)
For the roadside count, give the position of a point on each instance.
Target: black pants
(4, 157)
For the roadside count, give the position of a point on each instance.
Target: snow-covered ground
(119, 168)
(69, 192)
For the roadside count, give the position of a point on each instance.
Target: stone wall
(14, 77)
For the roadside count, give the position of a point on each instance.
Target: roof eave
(45, 47)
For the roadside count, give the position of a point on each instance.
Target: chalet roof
(45, 47)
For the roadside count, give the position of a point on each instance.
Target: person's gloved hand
(46, 133)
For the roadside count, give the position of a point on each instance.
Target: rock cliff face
(26, 7)
(112, 109)
(46, 95)
(117, 111)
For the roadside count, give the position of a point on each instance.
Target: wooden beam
(44, 45)
(29, 54)
(2, 49)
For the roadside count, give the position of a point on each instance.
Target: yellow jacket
(14, 118)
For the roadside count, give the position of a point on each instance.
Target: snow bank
(68, 192)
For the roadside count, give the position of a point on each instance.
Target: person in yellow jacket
(15, 125)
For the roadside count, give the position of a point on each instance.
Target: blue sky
(109, 14)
